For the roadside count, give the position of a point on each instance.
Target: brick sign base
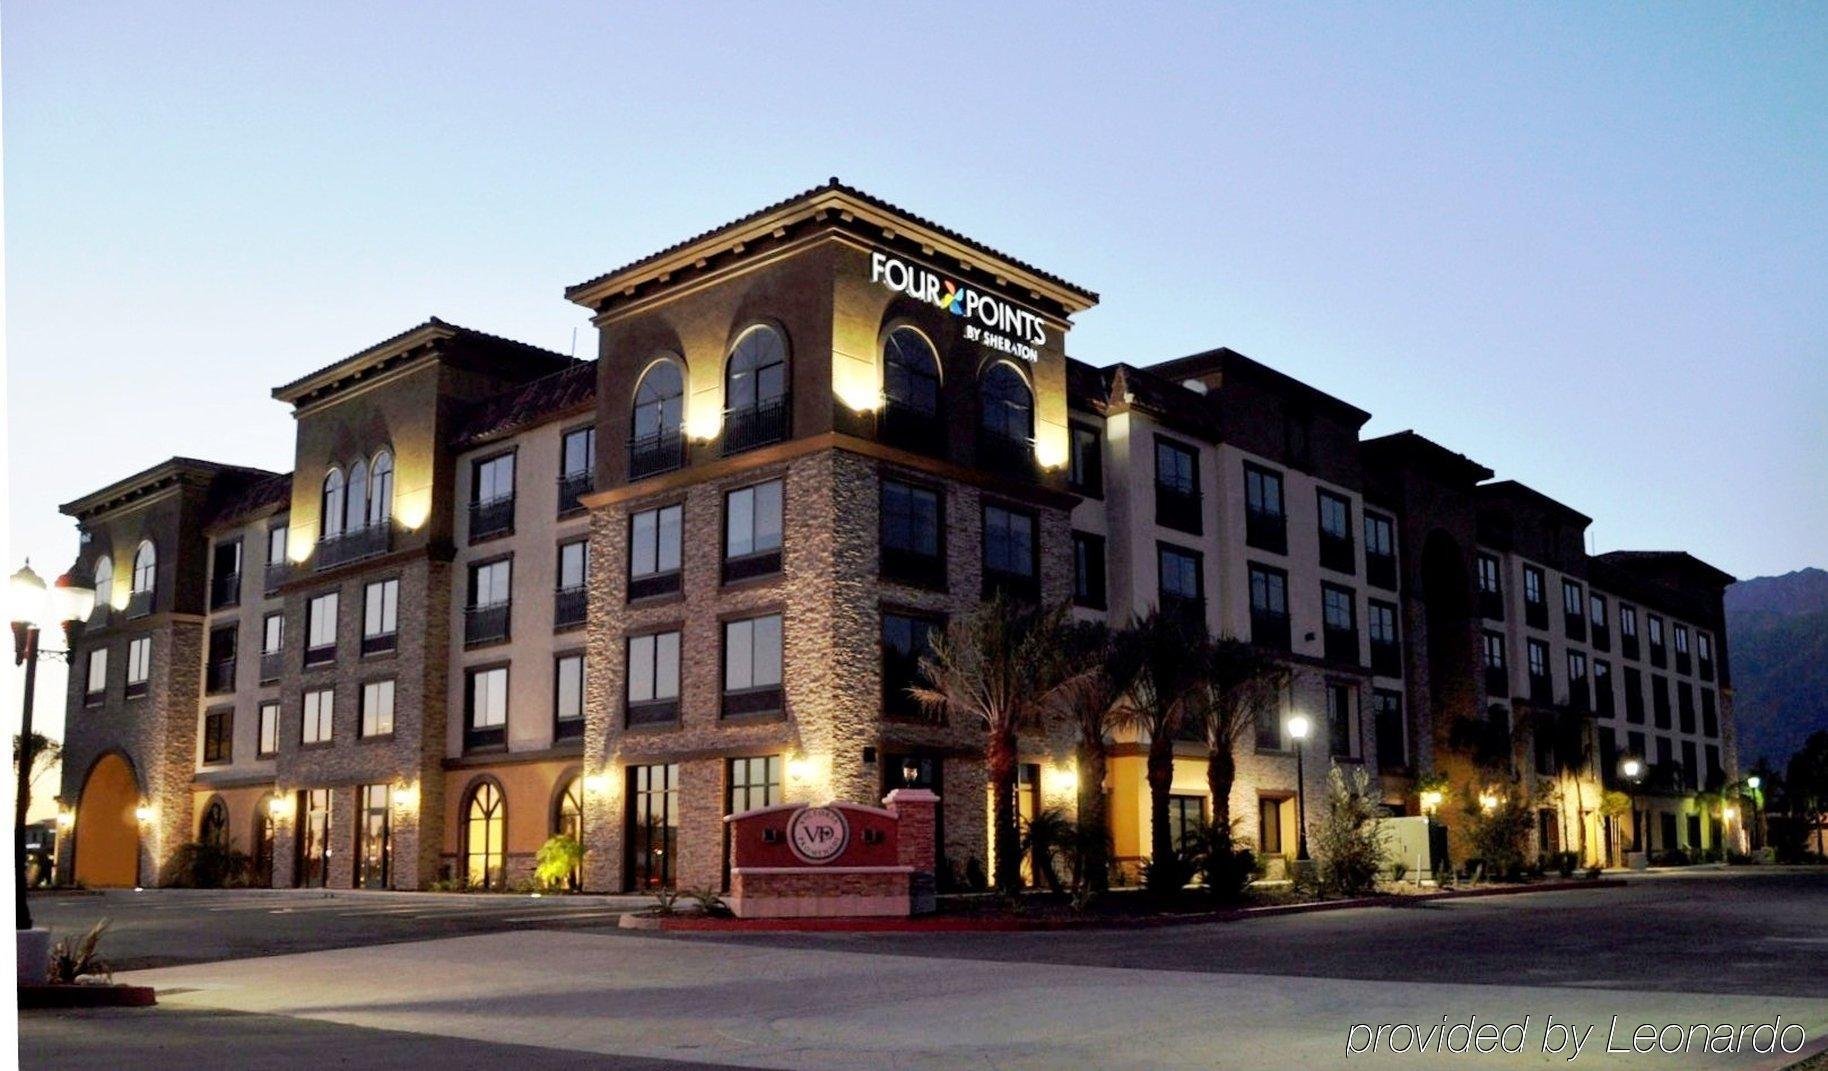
(837, 860)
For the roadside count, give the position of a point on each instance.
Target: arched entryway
(107, 831)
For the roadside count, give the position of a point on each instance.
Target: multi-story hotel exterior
(505, 594)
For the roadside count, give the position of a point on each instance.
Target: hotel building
(505, 594)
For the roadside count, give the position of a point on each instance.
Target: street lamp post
(68, 601)
(1755, 783)
(1298, 726)
(1632, 769)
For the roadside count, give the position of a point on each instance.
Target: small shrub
(1083, 896)
(1169, 875)
(666, 901)
(1498, 836)
(449, 884)
(709, 903)
(975, 879)
(1399, 870)
(72, 961)
(204, 865)
(557, 862)
(1593, 873)
(1225, 860)
(1348, 842)
(1565, 862)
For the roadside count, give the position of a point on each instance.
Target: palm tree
(1089, 696)
(998, 665)
(1571, 740)
(1240, 680)
(1161, 656)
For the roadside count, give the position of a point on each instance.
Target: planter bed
(86, 996)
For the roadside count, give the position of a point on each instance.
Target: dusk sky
(1586, 245)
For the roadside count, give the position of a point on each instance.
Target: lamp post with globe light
(1298, 726)
(1631, 768)
(30, 604)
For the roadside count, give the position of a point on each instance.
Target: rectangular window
(653, 825)
(1685, 706)
(1659, 655)
(1386, 652)
(1009, 553)
(273, 634)
(1339, 618)
(568, 697)
(578, 452)
(219, 735)
(219, 675)
(1541, 690)
(752, 666)
(139, 666)
(1704, 647)
(1710, 713)
(486, 707)
(1085, 462)
(1088, 571)
(1342, 721)
(570, 600)
(754, 782)
(1535, 599)
(1573, 610)
(492, 496)
(320, 629)
(653, 679)
(1380, 551)
(1597, 621)
(1177, 486)
(1579, 696)
(1269, 825)
(380, 616)
(97, 686)
(1659, 701)
(489, 613)
(1181, 588)
(1628, 630)
(913, 535)
(269, 730)
(1392, 733)
(1491, 588)
(320, 716)
(1682, 655)
(225, 575)
(374, 835)
(1269, 622)
(313, 838)
(1336, 550)
(1265, 522)
(752, 531)
(654, 551)
(276, 545)
(906, 639)
(378, 708)
(1186, 814)
(1691, 770)
(1497, 673)
(1634, 696)
(1603, 703)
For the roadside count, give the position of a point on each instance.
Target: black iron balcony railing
(1497, 682)
(1541, 689)
(1338, 553)
(1380, 570)
(911, 429)
(652, 712)
(225, 591)
(1269, 629)
(1005, 455)
(569, 606)
(655, 454)
(1341, 645)
(1628, 644)
(652, 584)
(573, 486)
(1177, 508)
(1266, 531)
(492, 738)
(277, 573)
(912, 567)
(492, 517)
(1386, 658)
(354, 544)
(1574, 625)
(1659, 655)
(746, 429)
(219, 676)
(1536, 614)
(1706, 666)
(272, 664)
(136, 689)
(1601, 637)
(1682, 662)
(320, 655)
(486, 624)
(1491, 605)
(139, 604)
(95, 698)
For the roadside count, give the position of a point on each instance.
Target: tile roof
(252, 499)
(432, 323)
(528, 404)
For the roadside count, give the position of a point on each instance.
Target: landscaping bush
(1348, 842)
(209, 866)
(70, 961)
(1498, 836)
(556, 863)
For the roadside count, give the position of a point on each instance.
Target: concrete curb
(967, 924)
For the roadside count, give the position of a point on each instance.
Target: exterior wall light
(406, 796)
(279, 808)
(1431, 801)
(799, 770)
(1065, 779)
(143, 812)
(1488, 802)
(66, 819)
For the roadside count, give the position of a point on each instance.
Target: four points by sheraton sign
(993, 322)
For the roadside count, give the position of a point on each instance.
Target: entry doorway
(107, 829)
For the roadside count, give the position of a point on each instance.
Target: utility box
(1418, 842)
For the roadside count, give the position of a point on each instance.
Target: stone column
(914, 810)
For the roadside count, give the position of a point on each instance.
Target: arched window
(381, 489)
(333, 504)
(1009, 409)
(485, 826)
(356, 511)
(568, 820)
(755, 390)
(659, 403)
(910, 372)
(145, 567)
(215, 828)
(104, 582)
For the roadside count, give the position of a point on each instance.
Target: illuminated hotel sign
(991, 322)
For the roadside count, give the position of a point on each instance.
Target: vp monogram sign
(818, 834)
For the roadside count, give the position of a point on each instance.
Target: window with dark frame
(489, 613)
(654, 551)
(653, 825)
(139, 666)
(1088, 571)
(1580, 697)
(568, 696)
(96, 686)
(268, 743)
(1541, 688)
(1265, 520)
(1085, 460)
(319, 721)
(272, 647)
(1598, 627)
(752, 666)
(1177, 486)
(1573, 610)
(1491, 588)
(1010, 564)
(320, 629)
(1181, 589)
(374, 836)
(1604, 705)
(752, 531)
(1634, 696)
(1386, 651)
(912, 532)
(219, 736)
(1339, 623)
(755, 390)
(380, 616)
(1380, 551)
(577, 467)
(1392, 732)
(653, 679)
(485, 715)
(377, 708)
(492, 496)
(1535, 598)
(225, 575)
(1337, 551)
(1342, 721)
(1497, 674)
(219, 671)
(906, 639)
(571, 598)
(1269, 618)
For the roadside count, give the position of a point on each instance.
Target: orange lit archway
(107, 833)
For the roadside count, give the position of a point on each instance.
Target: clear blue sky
(1586, 245)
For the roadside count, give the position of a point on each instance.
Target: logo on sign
(992, 321)
(818, 834)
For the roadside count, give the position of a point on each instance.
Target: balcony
(1542, 690)
(1266, 531)
(219, 676)
(139, 604)
(486, 624)
(1269, 629)
(1002, 454)
(655, 454)
(1603, 704)
(750, 566)
(1341, 645)
(911, 429)
(1628, 644)
(753, 702)
(746, 429)
(1497, 682)
(1380, 570)
(653, 712)
(492, 518)
(1574, 626)
(1580, 696)
(1706, 666)
(1659, 655)
(277, 573)
(651, 584)
(1536, 614)
(569, 607)
(1386, 658)
(1177, 509)
(572, 486)
(1682, 662)
(272, 664)
(367, 541)
(1491, 605)
(101, 618)
(380, 643)
(1602, 637)
(913, 568)
(225, 591)
(1337, 553)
